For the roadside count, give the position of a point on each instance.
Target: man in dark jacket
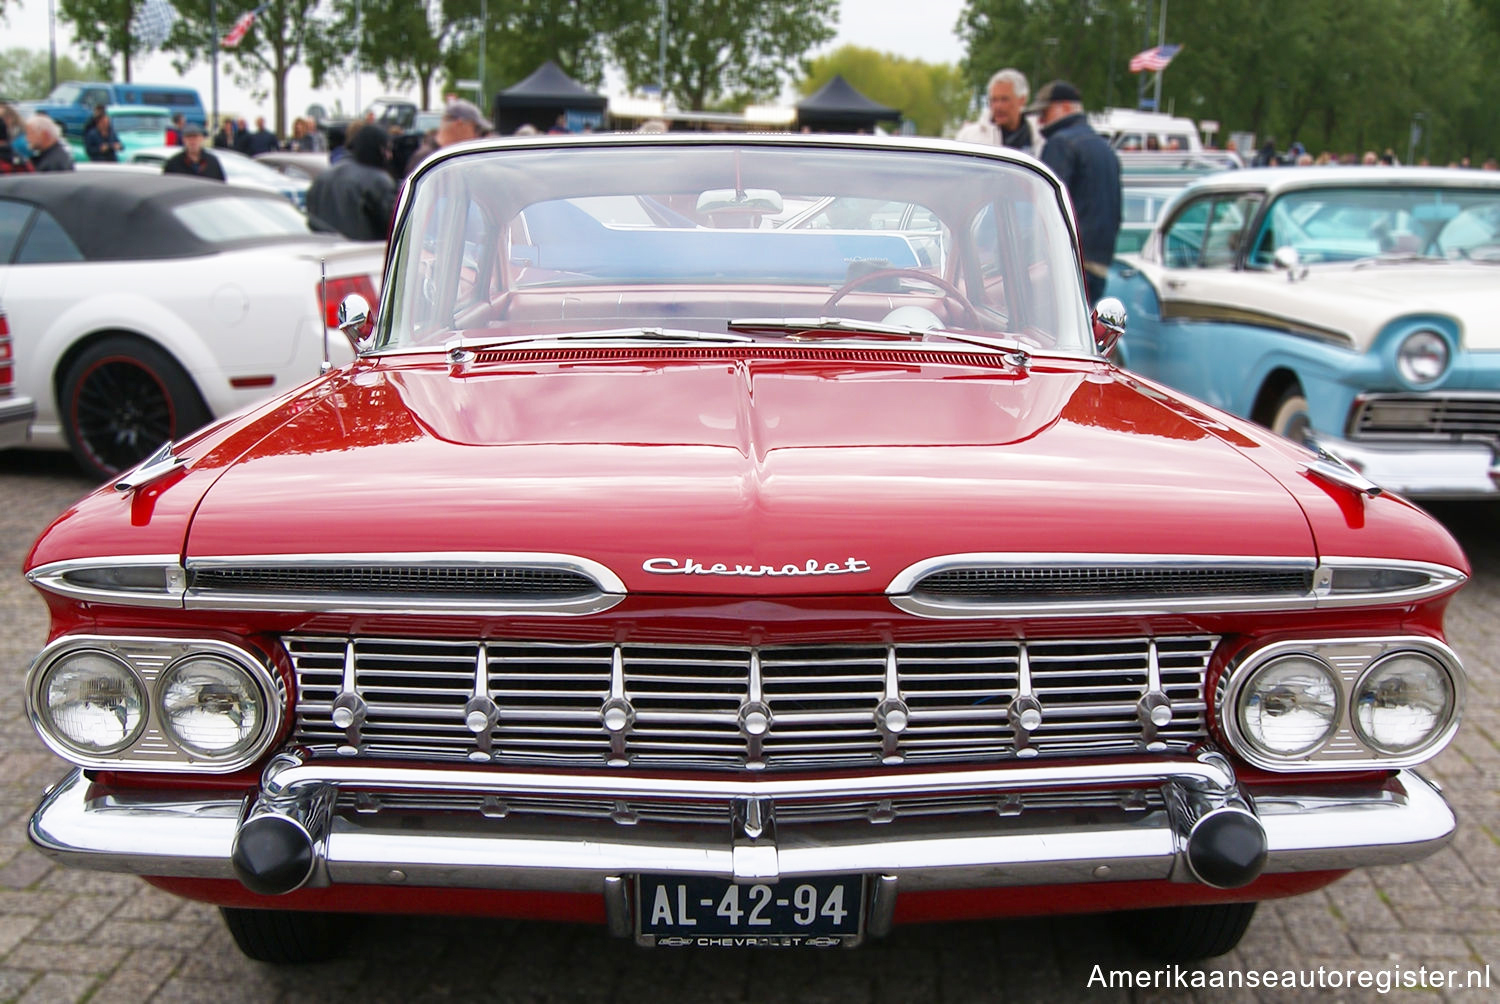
(1089, 170)
(100, 141)
(193, 159)
(47, 151)
(262, 140)
(356, 196)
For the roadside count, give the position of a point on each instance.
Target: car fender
(133, 314)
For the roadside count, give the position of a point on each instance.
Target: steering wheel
(951, 293)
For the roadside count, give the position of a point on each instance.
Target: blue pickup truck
(72, 103)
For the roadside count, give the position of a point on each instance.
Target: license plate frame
(720, 911)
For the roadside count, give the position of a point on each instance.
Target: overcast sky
(921, 30)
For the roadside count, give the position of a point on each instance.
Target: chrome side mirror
(1109, 324)
(354, 311)
(1287, 258)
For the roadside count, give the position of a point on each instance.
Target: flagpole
(1161, 39)
(213, 59)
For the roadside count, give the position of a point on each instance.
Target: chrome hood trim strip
(905, 589)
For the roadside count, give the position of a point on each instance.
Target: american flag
(1155, 59)
(237, 33)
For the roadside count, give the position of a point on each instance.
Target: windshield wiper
(460, 344)
(1398, 258)
(810, 328)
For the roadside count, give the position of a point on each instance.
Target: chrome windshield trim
(611, 589)
(54, 578)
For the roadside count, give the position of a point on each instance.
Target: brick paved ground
(75, 936)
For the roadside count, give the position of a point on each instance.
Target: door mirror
(1109, 324)
(354, 312)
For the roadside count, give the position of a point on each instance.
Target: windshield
(690, 236)
(1347, 224)
(138, 122)
(229, 219)
(64, 94)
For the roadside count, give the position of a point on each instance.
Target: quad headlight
(92, 702)
(209, 706)
(1336, 704)
(154, 704)
(1290, 705)
(1402, 702)
(1422, 357)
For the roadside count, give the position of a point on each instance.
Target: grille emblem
(812, 566)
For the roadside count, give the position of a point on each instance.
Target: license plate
(685, 911)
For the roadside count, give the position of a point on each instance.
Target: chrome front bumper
(1306, 827)
(16, 414)
(1423, 470)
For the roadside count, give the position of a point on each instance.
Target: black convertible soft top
(126, 215)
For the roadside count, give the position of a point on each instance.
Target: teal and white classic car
(1352, 309)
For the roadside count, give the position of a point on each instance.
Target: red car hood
(647, 463)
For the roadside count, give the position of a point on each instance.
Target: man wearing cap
(1090, 171)
(193, 159)
(461, 120)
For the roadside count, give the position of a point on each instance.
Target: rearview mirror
(744, 200)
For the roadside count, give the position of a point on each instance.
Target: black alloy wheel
(120, 399)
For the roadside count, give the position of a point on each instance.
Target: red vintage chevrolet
(740, 540)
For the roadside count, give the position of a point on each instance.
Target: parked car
(16, 412)
(1346, 308)
(71, 103)
(238, 170)
(137, 127)
(1150, 181)
(141, 306)
(1129, 130)
(745, 589)
(302, 166)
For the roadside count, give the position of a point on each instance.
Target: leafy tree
(286, 34)
(102, 28)
(722, 48)
(404, 42)
(934, 96)
(26, 73)
(1340, 75)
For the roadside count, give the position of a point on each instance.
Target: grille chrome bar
(1460, 417)
(777, 708)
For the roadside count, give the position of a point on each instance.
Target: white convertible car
(141, 306)
(1352, 309)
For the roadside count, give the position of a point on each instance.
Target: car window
(13, 217)
(1184, 236)
(47, 242)
(236, 218)
(1354, 222)
(1226, 228)
(1208, 231)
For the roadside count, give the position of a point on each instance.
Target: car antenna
(323, 313)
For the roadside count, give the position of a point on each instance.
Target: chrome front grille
(570, 704)
(1438, 417)
(629, 812)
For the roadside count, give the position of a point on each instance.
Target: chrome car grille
(806, 707)
(1444, 417)
(629, 812)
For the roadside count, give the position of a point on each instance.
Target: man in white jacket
(1006, 124)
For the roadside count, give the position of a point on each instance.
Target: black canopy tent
(838, 107)
(542, 97)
